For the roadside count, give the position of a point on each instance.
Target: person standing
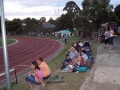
(65, 37)
(107, 36)
(111, 37)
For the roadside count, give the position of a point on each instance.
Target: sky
(38, 8)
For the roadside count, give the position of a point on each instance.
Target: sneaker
(71, 66)
(77, 71)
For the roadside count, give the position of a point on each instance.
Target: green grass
(72, 81)
(9, 41)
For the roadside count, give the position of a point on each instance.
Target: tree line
(91, 16)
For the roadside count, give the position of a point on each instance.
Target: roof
(48, 25)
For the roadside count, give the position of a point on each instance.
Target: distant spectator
(65, 38)
(107, 36)
(111, 37)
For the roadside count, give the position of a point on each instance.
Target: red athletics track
(26, 50)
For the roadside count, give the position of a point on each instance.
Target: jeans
(31, 79)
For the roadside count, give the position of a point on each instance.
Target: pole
(6, 64)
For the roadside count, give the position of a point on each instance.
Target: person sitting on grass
(86, 44)
(79, 61)
(44, 67)
(36, 77)
(66, 61)
(80, 43)
(73, 53)
(84, 55)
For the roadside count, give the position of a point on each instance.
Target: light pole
(6, 64)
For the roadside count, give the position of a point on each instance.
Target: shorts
(111, 40)
(107, 41)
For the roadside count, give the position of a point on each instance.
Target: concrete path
(105, 74)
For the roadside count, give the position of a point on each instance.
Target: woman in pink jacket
(36, 77)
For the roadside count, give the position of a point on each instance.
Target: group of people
(40, 72)
(105, 36)
(77, 55)
(109, 34)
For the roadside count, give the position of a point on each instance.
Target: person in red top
(79, 61)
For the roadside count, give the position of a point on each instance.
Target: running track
(26, 50)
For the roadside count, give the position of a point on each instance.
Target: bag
(81, 69)
(55, 79)
(74, 70)
(63, 66)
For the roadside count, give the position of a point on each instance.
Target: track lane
(45, 50)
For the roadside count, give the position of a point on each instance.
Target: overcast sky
(38, 8)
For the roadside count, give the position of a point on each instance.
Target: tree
(28, 23)
(83, 25)
(35, 25)
(117, 11)
(52, 21)
(97, 11)
(71, 6)
(14, 26)
(31, 24)
(113, 18)
(65, 22)
(43, 19)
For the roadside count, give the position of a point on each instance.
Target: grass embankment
(9, 41)
(72, 81)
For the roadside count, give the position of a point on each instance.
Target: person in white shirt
(111, 38)
(84, 55)
(73, 53)
(80, 43)
(107, 36)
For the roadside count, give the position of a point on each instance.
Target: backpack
(55, 79)
(63, 66)
(89, 62)
(81, 69)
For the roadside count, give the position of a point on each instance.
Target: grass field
(9, 41)
(72, 81)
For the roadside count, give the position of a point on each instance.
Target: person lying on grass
(36, 77)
